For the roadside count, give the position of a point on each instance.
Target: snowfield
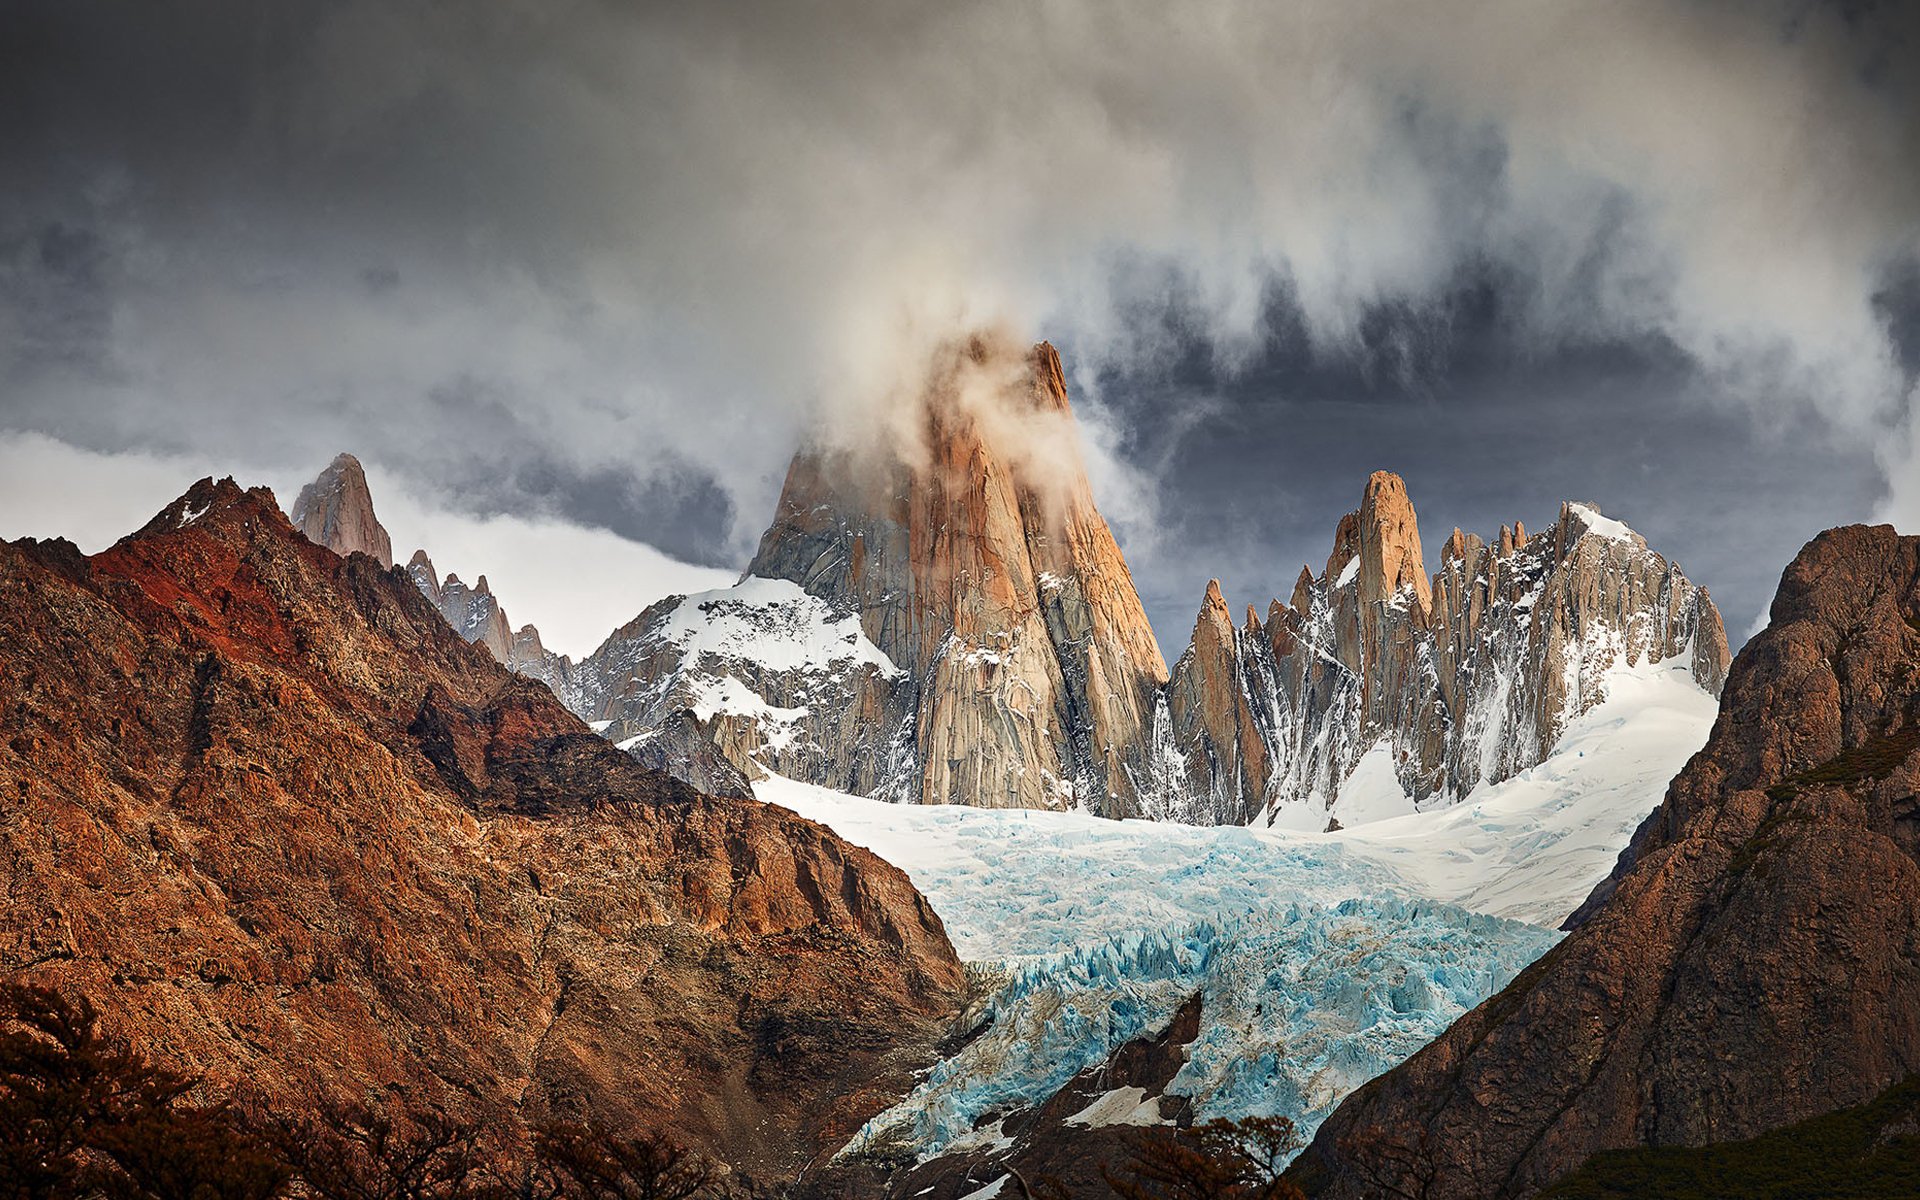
(1322, 959)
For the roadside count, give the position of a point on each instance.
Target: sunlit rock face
(280, 824)
(1449, 682)
(941, 615)
(336, 511)
(1003, 658)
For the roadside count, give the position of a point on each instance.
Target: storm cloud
(611, 262)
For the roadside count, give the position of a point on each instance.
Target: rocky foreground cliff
(1754, 961)
(280, 823)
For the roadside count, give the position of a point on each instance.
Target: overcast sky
(598, 268)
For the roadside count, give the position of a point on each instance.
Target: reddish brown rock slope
(1756, 960)
(284, 826)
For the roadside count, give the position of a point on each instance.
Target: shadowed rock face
(285, 828)
(1467, 678)
(1754, 961)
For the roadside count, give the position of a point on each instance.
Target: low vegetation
(1865, 1153)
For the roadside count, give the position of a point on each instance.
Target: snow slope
(1532, 847)
(1350, 950)
(1014, 882)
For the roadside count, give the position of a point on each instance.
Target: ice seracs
(1318, 960)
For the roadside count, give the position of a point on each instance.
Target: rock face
(1754, 961)
(776, 680)
(1463, 679)
(476, 615)
(336, 511)
(951, 621)
(1004, 658)
(281, 824)
(683, 747)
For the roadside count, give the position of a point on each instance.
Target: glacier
(1322, 959)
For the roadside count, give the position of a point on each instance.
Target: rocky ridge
(476, 615)
(1464, 678)
(278, 822)
(336, 511)
(1755, 959)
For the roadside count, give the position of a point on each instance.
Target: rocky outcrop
(1461, 679)
(1013, 662)
(476, 615)
(1755, 960)
(775, 679)
(1214, 727)
(336, 511)
(1092, 1125)
(683, 747)
(279, 823)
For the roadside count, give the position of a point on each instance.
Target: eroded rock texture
(1754, 961)
(286, 829)
(336, 511)
(1466, 678)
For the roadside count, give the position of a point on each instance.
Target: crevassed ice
(1350, 950)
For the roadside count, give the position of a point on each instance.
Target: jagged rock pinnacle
(336, 511)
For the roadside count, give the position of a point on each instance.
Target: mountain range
(950, 620)
(280, 823)
(820, 870)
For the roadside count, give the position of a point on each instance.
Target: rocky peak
(420, 570)
(1049, 379)
(976, 563)
(332, 850)
(1389, 543)
(336, 511)
(1754, 961)
(1302, 599)
(1464, 678)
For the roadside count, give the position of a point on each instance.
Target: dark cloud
(1485, 435)
(610, 261)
